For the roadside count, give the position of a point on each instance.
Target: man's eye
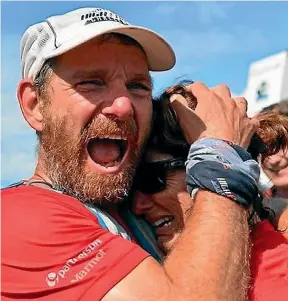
(87, 83)
(137, 86)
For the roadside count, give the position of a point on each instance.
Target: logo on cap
(101, 15)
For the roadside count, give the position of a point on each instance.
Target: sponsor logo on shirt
(79, 276)
(54, 277)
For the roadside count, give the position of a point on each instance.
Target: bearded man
(86, 91)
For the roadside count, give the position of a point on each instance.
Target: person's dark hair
(122, 38)
(168, 137)
(43, 78)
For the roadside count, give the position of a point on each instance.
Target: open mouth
(108, 152)
(163, 222)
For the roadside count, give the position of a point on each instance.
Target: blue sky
(214, 42)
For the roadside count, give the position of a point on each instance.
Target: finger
(191, 125)
(255, 123)
(242, 105)
(222, 91)
(251, 125)
(199, 91)
(179, 99)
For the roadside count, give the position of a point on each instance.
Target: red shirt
(269, 264)
(53, 248)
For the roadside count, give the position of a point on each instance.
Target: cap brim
(160, 54)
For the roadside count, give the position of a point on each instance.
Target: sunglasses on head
(152, 177)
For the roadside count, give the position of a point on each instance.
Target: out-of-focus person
(276, 166)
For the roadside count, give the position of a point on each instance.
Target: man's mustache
(101, 127)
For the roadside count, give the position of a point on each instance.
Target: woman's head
(161, 195)
(276, 165)
(167, 135)
(276, 168)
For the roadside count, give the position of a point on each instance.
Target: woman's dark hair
(168, 137)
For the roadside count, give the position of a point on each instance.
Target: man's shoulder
(25, 193)
(67, 249)
(27, 190)
(33, 214)
(26, 201)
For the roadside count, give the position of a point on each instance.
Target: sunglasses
(152, 177)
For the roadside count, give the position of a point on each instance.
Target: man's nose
(121, 108)
(142, 203)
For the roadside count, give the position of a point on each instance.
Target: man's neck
(40, 175)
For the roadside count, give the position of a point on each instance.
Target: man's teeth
(163, 222)
(115, 137)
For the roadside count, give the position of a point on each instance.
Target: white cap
(59, 34)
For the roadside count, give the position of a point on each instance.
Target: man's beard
(64, 159)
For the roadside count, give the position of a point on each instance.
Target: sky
(215, 42)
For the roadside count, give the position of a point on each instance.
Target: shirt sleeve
(54, 249)
(269, 264)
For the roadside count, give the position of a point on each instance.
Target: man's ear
(30, 104)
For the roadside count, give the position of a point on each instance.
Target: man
(86, 91)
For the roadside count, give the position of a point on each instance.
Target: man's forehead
(108, 42)
(90, 68)
(91, 73)
(105, 54)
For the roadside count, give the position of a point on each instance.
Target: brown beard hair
(64, 156)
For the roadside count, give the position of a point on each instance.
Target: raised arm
(210, 259)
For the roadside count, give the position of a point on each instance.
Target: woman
(161, 195)
(276, 169)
